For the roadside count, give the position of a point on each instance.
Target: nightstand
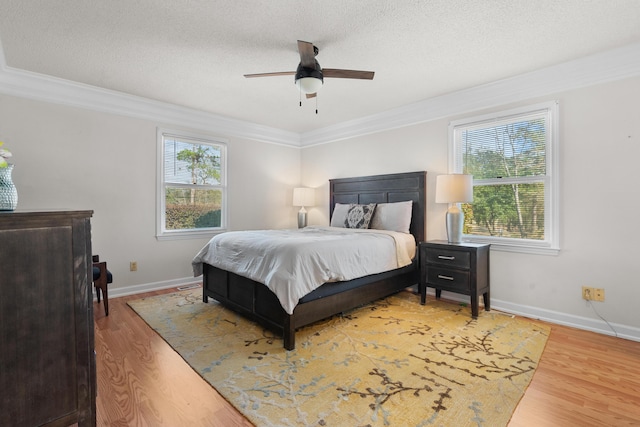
(462, 268)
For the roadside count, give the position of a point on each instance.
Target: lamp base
(302, 218)
(455, 221)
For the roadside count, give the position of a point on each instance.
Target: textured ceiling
(194, 52)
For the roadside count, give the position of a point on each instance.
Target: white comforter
(293, 263)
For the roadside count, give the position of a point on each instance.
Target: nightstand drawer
(453, 280)
(449, 258)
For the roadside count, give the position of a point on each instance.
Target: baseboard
(149, 287)
(578, 322)
(556, 317)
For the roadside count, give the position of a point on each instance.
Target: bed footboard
(250, 298)
(256, 302)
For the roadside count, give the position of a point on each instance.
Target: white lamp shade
(309, 84)
(454, 188)
(304, 196)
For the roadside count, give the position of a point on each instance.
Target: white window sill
(181, 235)
(539, 249)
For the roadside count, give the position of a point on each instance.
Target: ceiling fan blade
(277, 73)
(347, 74)
(307, 54)
(311, 95)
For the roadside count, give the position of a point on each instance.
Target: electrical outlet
(598, 294)
(588, 293)
(133, 266)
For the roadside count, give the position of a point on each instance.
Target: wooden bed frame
(257, 302)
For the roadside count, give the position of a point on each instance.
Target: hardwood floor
(142, 381)
(583, 379)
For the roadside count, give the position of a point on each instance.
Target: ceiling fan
(309, 76)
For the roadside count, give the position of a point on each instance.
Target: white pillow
(392, 216)
(339, 216)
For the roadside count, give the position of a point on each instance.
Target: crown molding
(45, 88)
(608, 66)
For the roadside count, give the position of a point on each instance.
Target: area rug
(390, 363)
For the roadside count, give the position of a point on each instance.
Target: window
(512, 156)
(191, 185)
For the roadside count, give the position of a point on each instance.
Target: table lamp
(303, 197)
(454, 189)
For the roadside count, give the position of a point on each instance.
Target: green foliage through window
(193, 183)
(514, 211)
(509, 157)
(188, 208)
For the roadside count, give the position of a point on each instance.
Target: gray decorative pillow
(359, 216)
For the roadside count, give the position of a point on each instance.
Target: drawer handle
(440, 276)
(450, 258)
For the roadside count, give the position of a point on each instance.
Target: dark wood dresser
(47, 359)
(455, 267)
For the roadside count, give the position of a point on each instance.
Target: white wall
(71, 158)
(600, 201)
(77, 158)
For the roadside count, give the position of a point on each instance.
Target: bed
(257, 302)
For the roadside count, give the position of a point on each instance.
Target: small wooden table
(462, 268)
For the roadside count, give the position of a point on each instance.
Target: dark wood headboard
(398, 187)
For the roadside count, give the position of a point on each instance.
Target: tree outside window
(510, 156)
(193, 187)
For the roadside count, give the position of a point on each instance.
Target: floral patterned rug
(390, 363)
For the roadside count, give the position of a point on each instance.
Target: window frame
(550, 110)
(161, 232)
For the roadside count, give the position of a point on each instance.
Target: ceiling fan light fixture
(309, 84)
(309, 80)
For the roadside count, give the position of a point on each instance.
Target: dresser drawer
(457, 259)
(453, 280)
